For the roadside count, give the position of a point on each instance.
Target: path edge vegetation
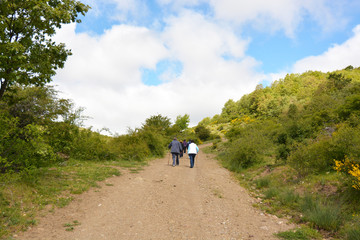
(45, 161)
(295, 146)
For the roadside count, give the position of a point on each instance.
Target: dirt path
(163, 202)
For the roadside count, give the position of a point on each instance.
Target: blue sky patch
(165, 71)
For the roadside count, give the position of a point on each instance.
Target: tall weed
(262, 182)
(312, 156)
(289, 198)
(327, 217)
(353, 233)
(271, 193)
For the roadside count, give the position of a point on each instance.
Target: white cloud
(276, 15)
(104, 73)
(335, 58)
(102, 69)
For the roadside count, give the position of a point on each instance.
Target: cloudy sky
(136, 58)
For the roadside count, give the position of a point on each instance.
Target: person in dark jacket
(185, 145)
(176, 148)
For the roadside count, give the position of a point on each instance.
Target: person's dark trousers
(192, 159)
(175, 157)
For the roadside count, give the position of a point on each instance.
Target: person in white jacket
(192, 151)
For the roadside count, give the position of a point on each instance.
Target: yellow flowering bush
(244, 119)
(351, 170)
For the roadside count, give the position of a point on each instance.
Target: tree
(28, 56)
(202, 132)
(229, 110)
(158, 123)
(37, 105)
(182, 121)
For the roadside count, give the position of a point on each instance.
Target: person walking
(185, 145)
(193, 149)
(176, 148)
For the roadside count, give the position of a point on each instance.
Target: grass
(23, 196)
(70, 226)
(289, 198)
(262, 183)
(325, 217)
(217, 193)
(353, 233)
(271, 193)
(302, 233)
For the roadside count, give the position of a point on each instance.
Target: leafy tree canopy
(182, 121)
(28, 56)
(158, 122)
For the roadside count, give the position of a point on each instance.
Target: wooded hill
(297, 143)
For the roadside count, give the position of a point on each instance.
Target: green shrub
(202, 132)
(346, 142)
(353, 233)
(26, 148)
(245, 154)
(327, 217)
(89, 145)
(282, 153)
(271, 193)
(250, 144)
(262, 182)
(314, 156)
(156, 142)
(289, 198)
(61, 136)
(132, 148)
(308, 203)
(302, 233)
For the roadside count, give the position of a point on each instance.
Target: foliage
(326, 217)
(39, 129)
(202, 132)
(157, 123)
(89, 145)
(312, 157)
(28, 54)
(131, 147)
(249, 142)
(182, 122)
(155, 141)
(29, 115)
(302, 233)
(307, 123)
(353, 233)
(351, 169)
(25, 148)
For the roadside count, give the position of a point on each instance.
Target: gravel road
(163, 202)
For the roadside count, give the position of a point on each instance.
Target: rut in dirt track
(163, 202)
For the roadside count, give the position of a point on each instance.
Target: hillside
(296, 143)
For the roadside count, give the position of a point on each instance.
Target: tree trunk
(4, 83)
